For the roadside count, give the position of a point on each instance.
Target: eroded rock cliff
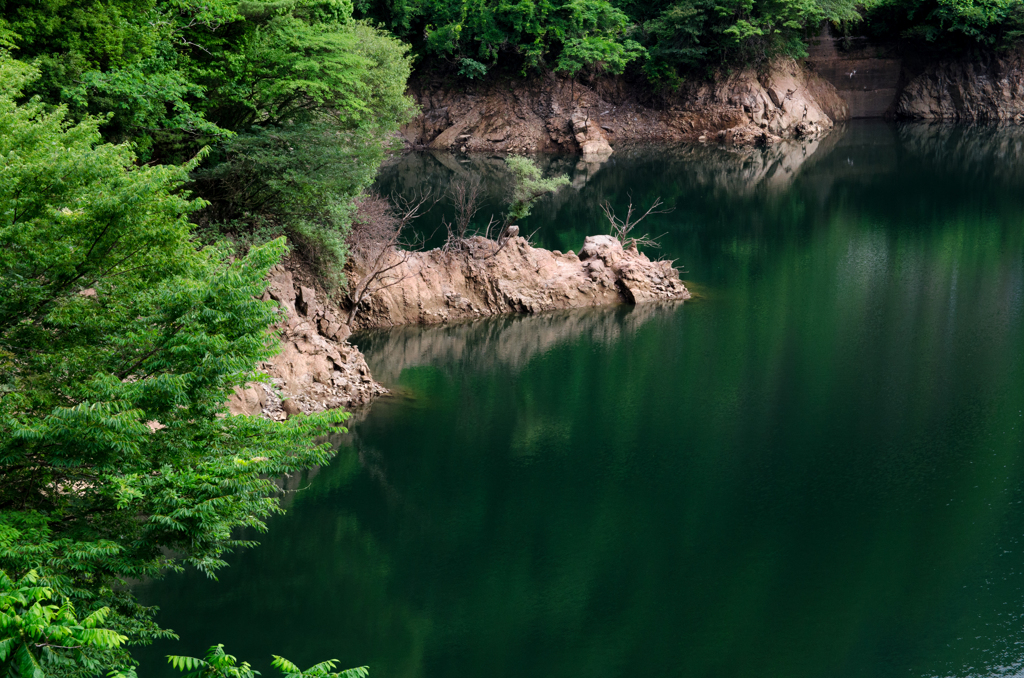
(554, 114)
(317, 368)
(986, 89)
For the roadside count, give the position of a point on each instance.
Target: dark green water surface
(816, 469)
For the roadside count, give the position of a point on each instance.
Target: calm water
(815, 469)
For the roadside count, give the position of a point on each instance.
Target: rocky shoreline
(318, 368)
(552, 114)
(785, 100)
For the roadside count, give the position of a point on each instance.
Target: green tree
(219, 664)
(120, 342)
(296, 99)
(950, 25)
(37, 635)
(472, 37)
(312, 104)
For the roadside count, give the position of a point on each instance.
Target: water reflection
(816, 470)
(982, 152)
(510, 341)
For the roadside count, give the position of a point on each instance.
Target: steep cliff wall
(985, 89)
(554, 114)
(866, 76)
(884, 81)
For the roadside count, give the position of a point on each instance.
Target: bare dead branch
(465, 195)
(621, 228)
(378, 245)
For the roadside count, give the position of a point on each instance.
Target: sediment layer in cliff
(887, 79)
(548, 113)
(989, 88)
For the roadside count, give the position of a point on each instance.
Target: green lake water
(814, 469)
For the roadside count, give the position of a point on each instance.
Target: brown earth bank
(553, 114)
(318, 368)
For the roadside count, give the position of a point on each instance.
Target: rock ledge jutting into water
(318, 368)
(439, 286)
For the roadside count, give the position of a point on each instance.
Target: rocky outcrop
(482, 280)
(553, 114)
(317, 368)
(979, 90)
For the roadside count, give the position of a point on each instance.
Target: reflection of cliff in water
(993, 152)
(712, 168)
(507, 341)
(741, 169)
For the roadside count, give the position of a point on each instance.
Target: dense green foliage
(668, 40)
(474, 36)
(295, 98)
(950, 25)
(120, 342)
(120, 336)
(37, 634)
(219, 664)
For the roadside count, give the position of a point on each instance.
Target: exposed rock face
(866, 75)
(985, 90)
(439, 286)
(552, 114)
(317, 368)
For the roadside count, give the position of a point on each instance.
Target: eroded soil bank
(552, 114)
(786, 100)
